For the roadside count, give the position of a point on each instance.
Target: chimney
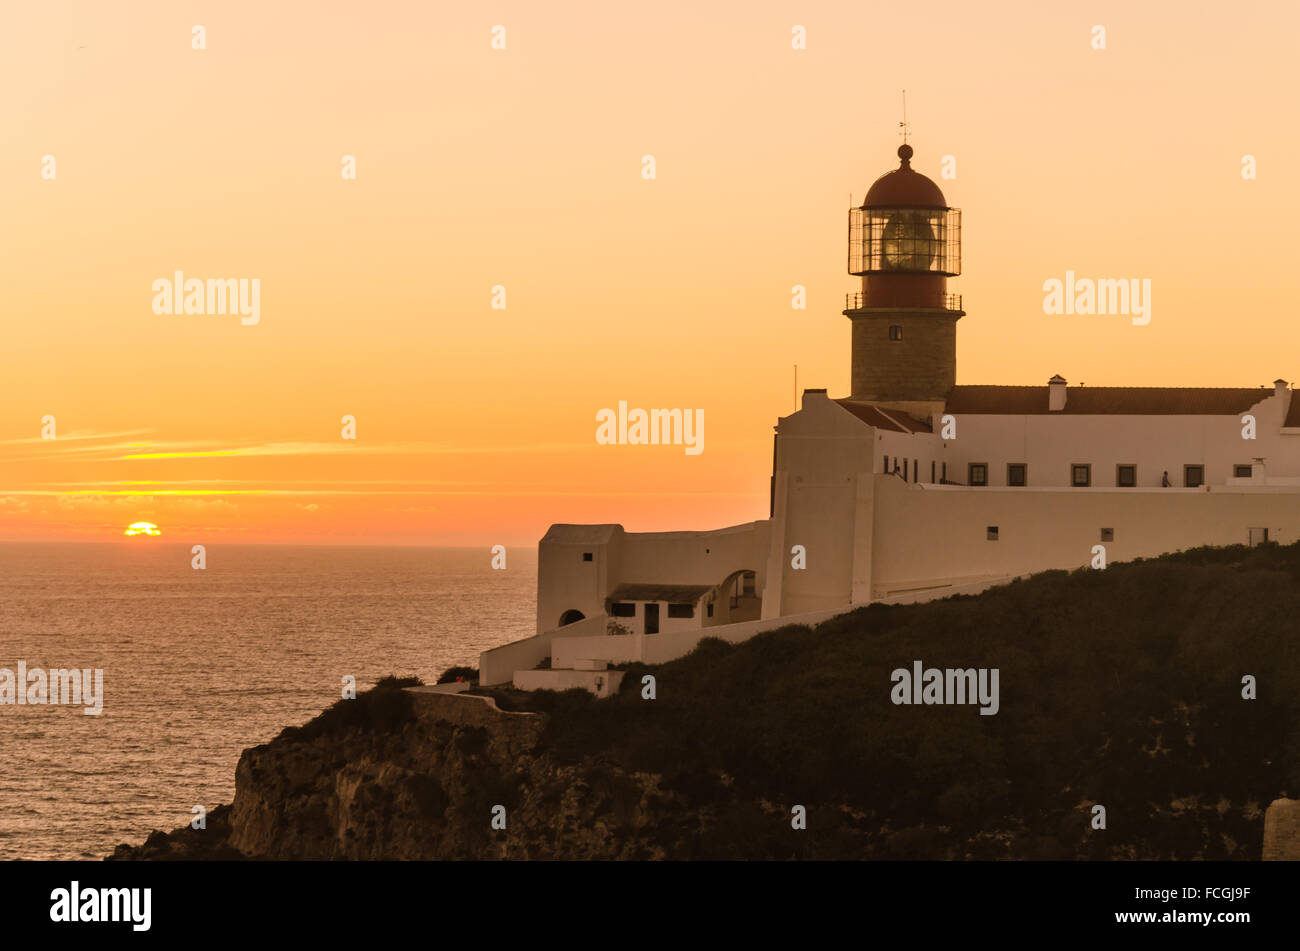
(1279, 387)
(1056, 393)
(812, 396)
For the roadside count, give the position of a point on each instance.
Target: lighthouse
(904, 242)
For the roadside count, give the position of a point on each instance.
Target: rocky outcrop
(1282, 831)
(418, 776)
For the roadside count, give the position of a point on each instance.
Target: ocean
(200, 664)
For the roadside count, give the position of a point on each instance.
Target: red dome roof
(904, 187)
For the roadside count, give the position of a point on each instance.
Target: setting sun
(142, 528)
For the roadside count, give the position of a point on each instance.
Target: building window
(709, 609)
(1108, 534)
(1243, 472)
(943, 473)
(904, 470)
(1126, 476)
(979, 473)
(895, 332)
(886, 465)
(586, 556)
(1193, 476)
(1080, 475)
(992, 533)
(623, 609)
(681, 610)
(932, 472)
(1016, 472)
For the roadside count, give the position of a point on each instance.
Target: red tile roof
(1108, 400)
(1293, 414)
(887, 419)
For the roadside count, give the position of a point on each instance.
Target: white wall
(565, 581)
(820, 452)
(924, 535)
(600, 682)
(919, 448)
(1050, 443)
(692, 557)
(498, 666)
(661, 648)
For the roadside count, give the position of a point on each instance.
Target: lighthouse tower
(904, 242)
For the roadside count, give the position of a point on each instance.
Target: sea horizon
(199, 665)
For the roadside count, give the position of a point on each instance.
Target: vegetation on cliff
(1120, 688)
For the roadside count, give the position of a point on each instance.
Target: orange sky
(522, 168)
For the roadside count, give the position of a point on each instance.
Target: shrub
(453, 674)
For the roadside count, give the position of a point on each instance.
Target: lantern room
(905, 228)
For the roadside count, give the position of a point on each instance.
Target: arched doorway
(737, 598)
(570, 616)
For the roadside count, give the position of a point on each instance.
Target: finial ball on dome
(905, 153)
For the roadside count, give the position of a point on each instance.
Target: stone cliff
(407, 774)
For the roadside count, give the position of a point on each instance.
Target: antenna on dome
(903, 125)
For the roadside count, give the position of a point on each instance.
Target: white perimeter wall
(661, 648)
(927, 534)
(498, 666)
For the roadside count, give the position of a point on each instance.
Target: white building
(913, 487)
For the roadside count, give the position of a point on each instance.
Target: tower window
(1017, 473)
(979, 473)
(586, 556)
(895, 332)
(992, 533)
(1126, 476)
(1080, 475)
(1108, 534)
(1193, 476)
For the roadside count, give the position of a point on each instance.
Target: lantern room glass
(905, 240)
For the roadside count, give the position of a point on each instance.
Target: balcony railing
(942, 301)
